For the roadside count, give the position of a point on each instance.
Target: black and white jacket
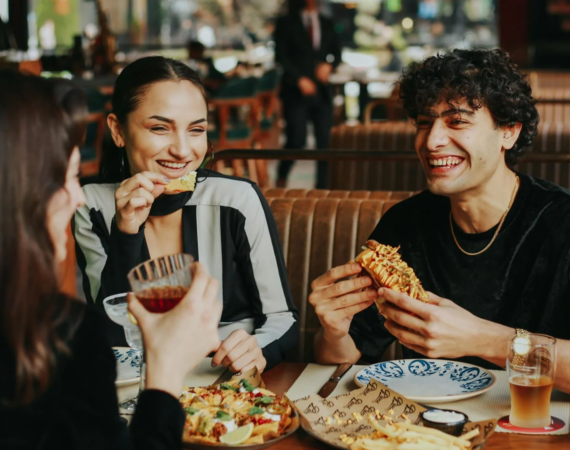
(228, 226)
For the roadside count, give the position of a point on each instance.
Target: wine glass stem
(143, 373)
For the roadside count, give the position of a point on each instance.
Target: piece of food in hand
(182, 184)
(387, 269)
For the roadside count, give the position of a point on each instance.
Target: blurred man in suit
(308, 50)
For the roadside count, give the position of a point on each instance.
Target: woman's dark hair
(36, 140)
(481, 78)
(130, 87)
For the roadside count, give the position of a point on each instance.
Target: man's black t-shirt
(521, 281)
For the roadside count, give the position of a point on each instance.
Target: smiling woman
(159, 124)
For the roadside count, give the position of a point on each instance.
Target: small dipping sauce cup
(446, 420)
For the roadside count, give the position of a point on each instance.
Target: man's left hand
(323, 72)
(438, 329)
(240, 352)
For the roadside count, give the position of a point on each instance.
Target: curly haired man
(490, 242)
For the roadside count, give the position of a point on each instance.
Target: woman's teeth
(445, 162)
(171, 165)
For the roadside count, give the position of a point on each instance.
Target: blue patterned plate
(429, 380)
(128, 366)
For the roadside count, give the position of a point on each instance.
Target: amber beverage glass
(161, 283)
(531, 377)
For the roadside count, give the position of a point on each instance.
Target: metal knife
(332, 382)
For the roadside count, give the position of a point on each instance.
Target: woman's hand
(134, 197)
(178, 340)
(240, 352)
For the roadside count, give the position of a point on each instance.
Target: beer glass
(530, 369)
(160, 283)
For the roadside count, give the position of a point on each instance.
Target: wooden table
(282, 377)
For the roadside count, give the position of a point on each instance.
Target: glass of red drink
(161, 283)
(531, 364)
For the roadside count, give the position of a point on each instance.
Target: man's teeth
(445, 162)
(172, 165)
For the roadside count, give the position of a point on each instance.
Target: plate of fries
(375, 417)
(236, 414)
(407, 436)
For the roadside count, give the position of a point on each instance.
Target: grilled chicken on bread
(387, 269)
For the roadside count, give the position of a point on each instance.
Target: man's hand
(307, 86)
(436, 329)
(323, 72)
(240, 352)
(336, 302)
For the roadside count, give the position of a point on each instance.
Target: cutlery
(332, 382)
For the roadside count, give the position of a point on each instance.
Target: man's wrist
(492, 345)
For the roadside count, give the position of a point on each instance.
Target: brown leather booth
(378, 175)
(553, 137)
(320, 229)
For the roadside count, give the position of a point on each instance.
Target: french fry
(406, 436)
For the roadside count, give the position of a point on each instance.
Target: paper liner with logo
(314, 410)
(253, 377)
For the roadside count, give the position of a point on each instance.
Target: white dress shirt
(313, 16)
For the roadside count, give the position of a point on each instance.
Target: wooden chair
(269, 109)
(91, 150)
(234, 108)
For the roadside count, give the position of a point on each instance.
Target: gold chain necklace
(517, 182)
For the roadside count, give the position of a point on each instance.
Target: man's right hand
(336, 302)
(134, 197)
(307, 86)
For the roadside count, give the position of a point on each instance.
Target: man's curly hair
(479, 77)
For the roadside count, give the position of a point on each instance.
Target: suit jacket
(294, 52)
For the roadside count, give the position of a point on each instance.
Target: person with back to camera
(57, 370)
(490, 243)
(159, 124)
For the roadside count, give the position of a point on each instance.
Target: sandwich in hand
(387, 269)
(182, 184)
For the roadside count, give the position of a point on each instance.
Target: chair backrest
(552, 137)
(320, 229)
(379, 136)
(236, 88)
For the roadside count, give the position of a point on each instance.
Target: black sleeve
(104, 258)
(124, 253)
(88, 400)
(265, 274)
(367, 327)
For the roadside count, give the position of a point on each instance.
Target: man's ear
(510, 135)
(116, 130)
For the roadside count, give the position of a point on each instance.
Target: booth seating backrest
(553, 137)
(371, 175)
(321, 229)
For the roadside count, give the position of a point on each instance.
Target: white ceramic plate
(128, 366)
(429, 380)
